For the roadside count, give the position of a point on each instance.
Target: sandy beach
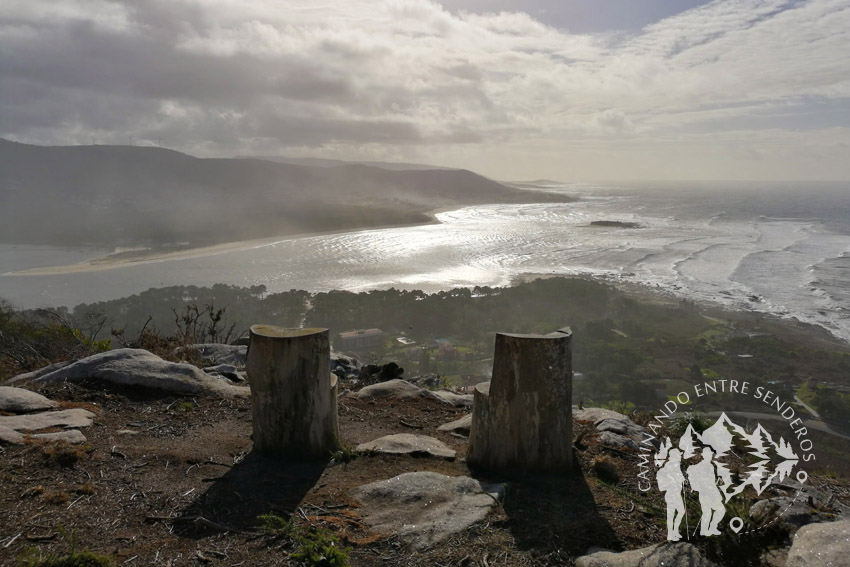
(143, 256)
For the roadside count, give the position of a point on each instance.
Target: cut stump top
(282, 332)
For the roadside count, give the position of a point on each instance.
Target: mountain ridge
(324, 162)
(129, 195)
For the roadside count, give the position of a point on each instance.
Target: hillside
(130, 195)
(320, 162)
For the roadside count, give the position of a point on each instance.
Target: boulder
(30, 376)
(399, 389)
(797, 505)
(594, 415)
(821, 545)
(617, 441)
(69, 418)
(453, 399)
(227, 372)
(72, 436)
(140, 368)
(15, 428)
(18, 400)
(408, 444)
(372, 373)
(661, 555)
(214, 354)
(11, 436)
(404, 390)
(344, 366)
(424, 508)
(615, 429)
(429, 380)
(459, 426)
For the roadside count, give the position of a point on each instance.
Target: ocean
(781, 248)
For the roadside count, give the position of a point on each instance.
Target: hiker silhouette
(671, 482)
(703, 480)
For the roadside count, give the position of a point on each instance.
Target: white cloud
(411, 80)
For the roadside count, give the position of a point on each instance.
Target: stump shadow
(556, 513)
(257, 485)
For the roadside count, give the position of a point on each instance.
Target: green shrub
(680, 423)
(275, 526)
(320, 548)
(312, 546)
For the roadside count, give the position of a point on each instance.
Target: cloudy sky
(565, 89)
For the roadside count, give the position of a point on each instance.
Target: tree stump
(522, 418)
(293, 393)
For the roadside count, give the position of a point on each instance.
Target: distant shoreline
(115, 260)
(791, 329)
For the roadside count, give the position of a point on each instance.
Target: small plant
(345, 454)
(318, 547)
(185, 406)
(202, 325)
(680, 423)
(625, 408)
(34, 557)
(277, 527)
(311, 546)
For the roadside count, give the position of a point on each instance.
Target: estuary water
(780, 248)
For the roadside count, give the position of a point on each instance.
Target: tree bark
(293, 393)
(522, 418)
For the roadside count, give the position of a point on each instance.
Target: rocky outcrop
(662, 555)
(615, 429)
(227, 372)
(141, 369)
(403, 390)
(16, 428)
(372, 373)
(821, 545)
(454, 399)
(429, 380)
(19, 400)
(424, 508)
(398, 389)
(214, 354)
(459, 426)
(796, 505)
(344, 367)
(408, 444)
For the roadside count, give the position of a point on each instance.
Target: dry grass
(56, 497)
(63, 454)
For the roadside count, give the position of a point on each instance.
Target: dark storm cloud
(387, 77)
(80, 56)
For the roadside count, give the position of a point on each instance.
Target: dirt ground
(173, 481)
